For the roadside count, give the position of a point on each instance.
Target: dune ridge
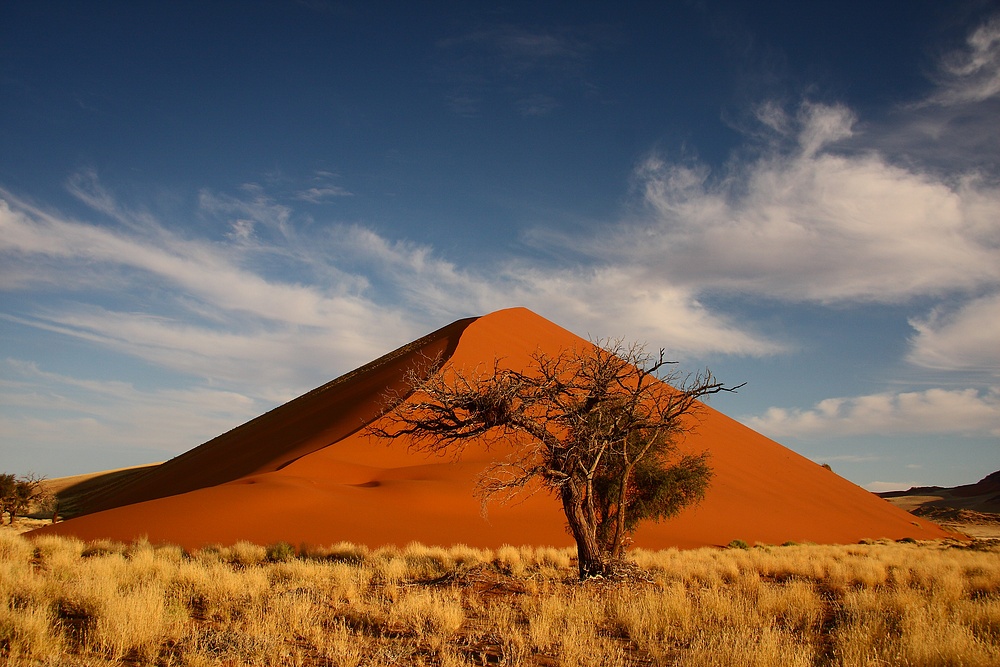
(305, 473)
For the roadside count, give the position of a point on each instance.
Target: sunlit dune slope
(307, 473)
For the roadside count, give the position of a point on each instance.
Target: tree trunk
(588, 550)
(619, 539)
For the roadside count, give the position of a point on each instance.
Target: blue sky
(207, 209)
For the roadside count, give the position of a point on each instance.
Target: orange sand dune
(306, 473)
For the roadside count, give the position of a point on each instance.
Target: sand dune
(306, 473)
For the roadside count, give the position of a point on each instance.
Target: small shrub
(738, 544)
(280, 552)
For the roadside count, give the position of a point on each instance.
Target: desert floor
(68, 602)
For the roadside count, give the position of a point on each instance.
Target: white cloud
(197, 268)
(582, 299)
(807, 225)
(206, 308)
(620, 300)
(966, 338)
(972, 74)
(323, 189)
(255, 206)
(805, 221)
(271, 364)
(773, 115)
(317, 195)
(823, 125)
(932, 411)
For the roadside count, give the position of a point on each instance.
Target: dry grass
(63, 602)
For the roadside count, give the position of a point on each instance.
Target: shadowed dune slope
(305, 473)
(303, 425)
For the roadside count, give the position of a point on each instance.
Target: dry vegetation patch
(64, 602)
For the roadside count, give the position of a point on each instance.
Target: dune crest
(307, 473)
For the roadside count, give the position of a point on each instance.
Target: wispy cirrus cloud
(42, 407)
(316, 195)
(607, 300)
(214, 307)
(971, 74)
(323, 189)
(198, 268)
(196, 306)
(953, 127)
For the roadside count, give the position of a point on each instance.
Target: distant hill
(982, 497)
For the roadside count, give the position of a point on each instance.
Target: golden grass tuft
(66, 602)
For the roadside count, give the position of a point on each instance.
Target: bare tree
(598, 427)
(18, 494)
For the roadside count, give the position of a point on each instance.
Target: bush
(738, 544)
(280, 552)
